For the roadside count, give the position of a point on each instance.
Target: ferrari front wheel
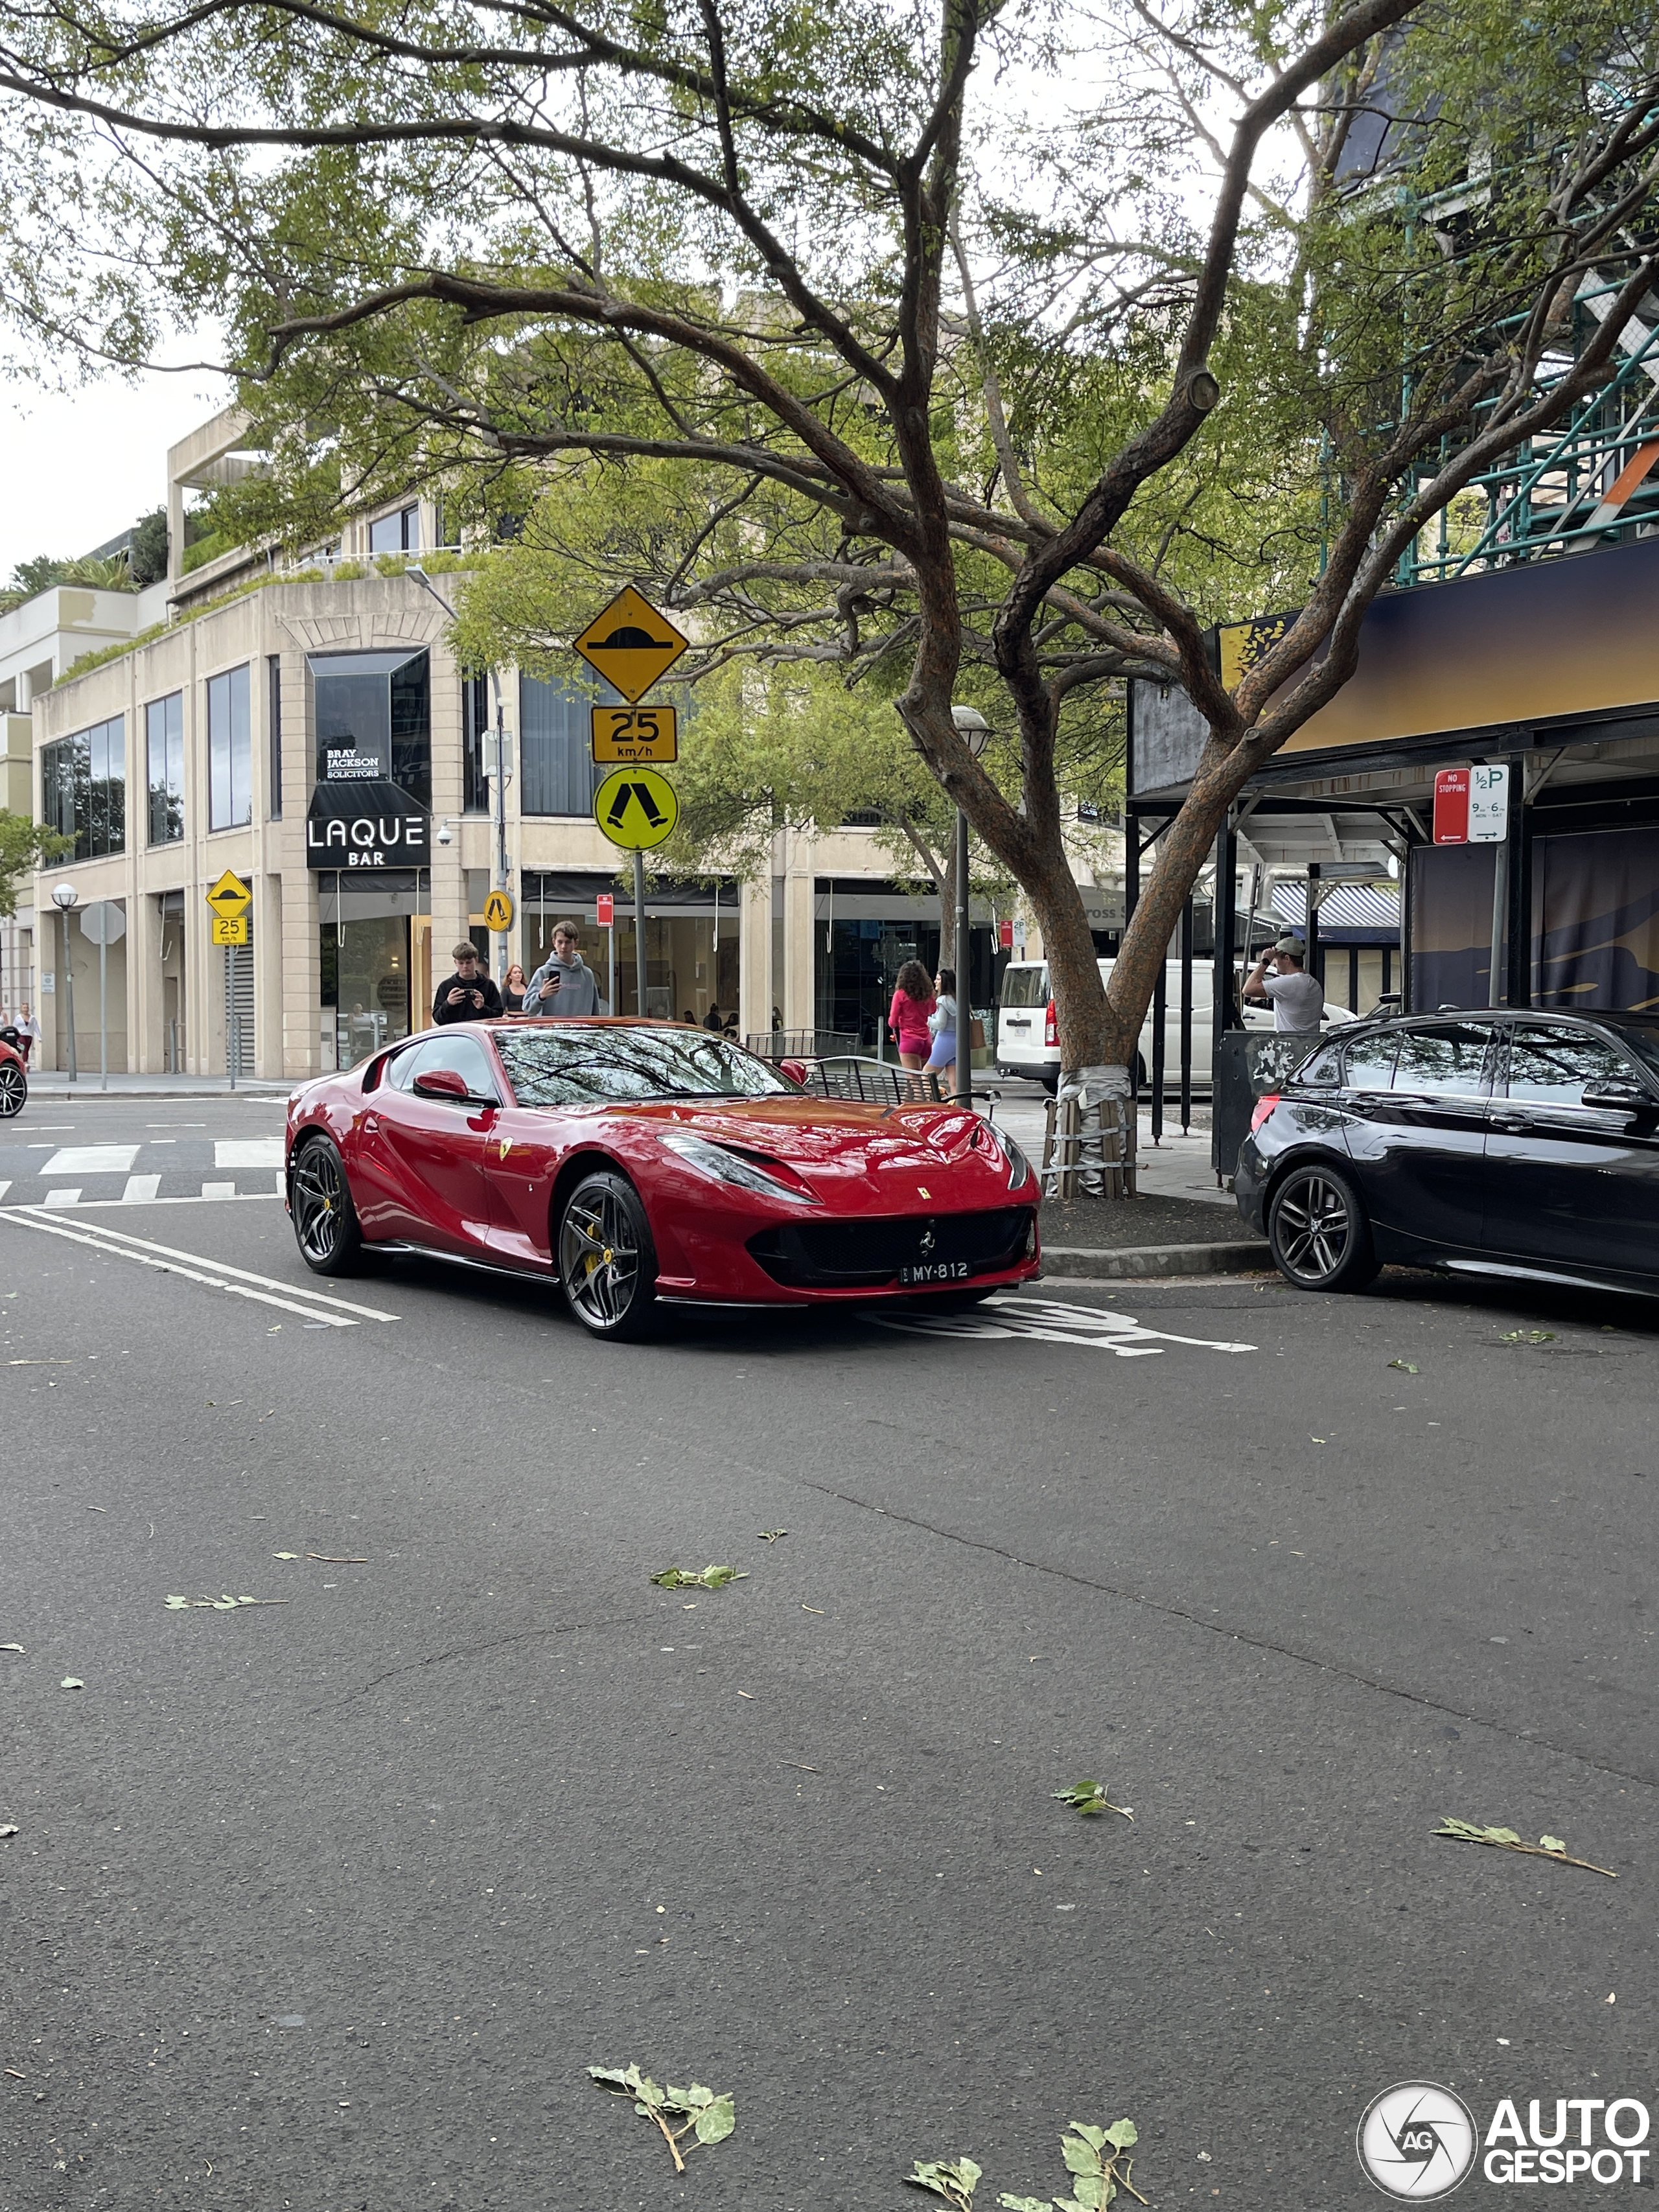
(607, 1262)
(14, 1090)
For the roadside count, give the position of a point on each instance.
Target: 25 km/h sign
(636, 808)
(636, 733)
(630, 644)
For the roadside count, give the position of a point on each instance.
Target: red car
(647, 1163)
(14, 1079)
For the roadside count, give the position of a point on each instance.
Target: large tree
(950, 389)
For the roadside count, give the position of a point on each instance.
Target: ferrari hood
(826, 1135)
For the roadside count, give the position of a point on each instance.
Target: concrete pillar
(799, 1007)
(754, 1000)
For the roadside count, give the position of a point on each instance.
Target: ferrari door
(424, 1155)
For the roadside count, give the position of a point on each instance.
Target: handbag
(976, 1035)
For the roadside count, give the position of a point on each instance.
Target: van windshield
(1026, 987)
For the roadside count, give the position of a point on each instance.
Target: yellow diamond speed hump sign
(630, 644)
(230, 896)
(636, 808)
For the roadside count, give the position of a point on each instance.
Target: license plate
(936, 1271)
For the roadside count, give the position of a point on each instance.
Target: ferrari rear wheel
(325, 1224)
(14, 1090)
(607, 1262)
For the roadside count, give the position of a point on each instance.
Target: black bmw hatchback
(1501, 1142)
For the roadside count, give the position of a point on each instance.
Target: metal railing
(872, 1082)
(804, 1044)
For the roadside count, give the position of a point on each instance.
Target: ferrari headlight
(1019, 1168)
(722, 1166)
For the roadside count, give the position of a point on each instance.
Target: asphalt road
(327, 1904)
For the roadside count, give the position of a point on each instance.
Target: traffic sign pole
(639, 927)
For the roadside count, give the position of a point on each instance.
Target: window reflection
(1555, 1066)
(1452, 1059)
(568, 1066)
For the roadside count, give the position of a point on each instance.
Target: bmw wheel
(14, 1090)
(325, 1222)
(1318, 1233)
(607, 1262)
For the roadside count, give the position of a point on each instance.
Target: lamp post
(66, 898)
(974, 731)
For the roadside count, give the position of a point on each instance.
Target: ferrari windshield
(561, 1065)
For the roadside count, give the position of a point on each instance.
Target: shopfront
(691, 951)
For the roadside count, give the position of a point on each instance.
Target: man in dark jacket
(469, 995)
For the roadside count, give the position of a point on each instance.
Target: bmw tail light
(1050, 1026)
(1263, 1107)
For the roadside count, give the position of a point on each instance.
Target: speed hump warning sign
(498, 910)
(630, 644)
(636, 808)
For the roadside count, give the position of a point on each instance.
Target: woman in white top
(942, 1027)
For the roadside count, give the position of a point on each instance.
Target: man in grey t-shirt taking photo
(1297, 998)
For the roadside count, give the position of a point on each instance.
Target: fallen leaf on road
(747, 1694)
(687, 1578)
(329, 1560)
(1546, 1847)
(71, 1682)
(1405, 1366)
(812, 1608)
(770, 1535)
(285, 1555)
(10, 1647)
(1090, 1797)
(707, 2118)
(9, 1828)
(1528, 1336)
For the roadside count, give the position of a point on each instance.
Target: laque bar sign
(356, 826)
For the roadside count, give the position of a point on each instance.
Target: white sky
(76, 468)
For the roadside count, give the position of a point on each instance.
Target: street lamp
(65, 898)
(975, 733)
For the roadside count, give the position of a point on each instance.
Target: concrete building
(309, 730)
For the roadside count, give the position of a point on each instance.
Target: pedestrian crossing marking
(65, 1194)
(140, 1188)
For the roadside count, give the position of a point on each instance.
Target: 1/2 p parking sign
(1472, 805)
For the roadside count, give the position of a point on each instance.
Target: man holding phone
(469, 995)
(565, 988)
(1297, 998)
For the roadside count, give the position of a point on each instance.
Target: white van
(1028, 1042)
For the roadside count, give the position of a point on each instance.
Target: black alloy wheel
(1318, 1233)
(14, 1090)
(325, 1224)
(607, 1262)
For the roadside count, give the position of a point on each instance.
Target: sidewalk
(54, 1083)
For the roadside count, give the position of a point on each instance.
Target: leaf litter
(706, 2118)
(1097, 2159)
(1090, 1797)
(711, 1578)
(1546, 1847)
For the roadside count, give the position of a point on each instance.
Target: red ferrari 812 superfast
(642, 1163)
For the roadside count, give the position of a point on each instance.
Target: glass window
(564, 1066)
(164, 740)
(1370, 1061)
(396, 533)
(1324, 1068)
(1025, 987)
(373, 720)
(555, 749)
(1552, 1067)
(475, 721)
(83, 788)
(274, 733)
(463, 1053)
(1449, 1060)
(230, 751)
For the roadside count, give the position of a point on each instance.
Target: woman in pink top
(907, 1018)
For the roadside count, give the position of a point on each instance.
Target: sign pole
(68, 978)
(964, 940)
(639, 927)
(103, 1012)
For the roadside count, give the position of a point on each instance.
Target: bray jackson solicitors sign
(364, 823)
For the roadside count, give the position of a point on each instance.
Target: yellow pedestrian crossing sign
(230, 896)
(498, 910)
(631, 644)
(636, 808)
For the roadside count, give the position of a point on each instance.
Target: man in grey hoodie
(564, 987)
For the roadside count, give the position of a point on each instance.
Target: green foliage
(1090, 1797)
(702, 2115)
(24, 844)
(1097, 2159)
(1546, 1847)
(710, 1578)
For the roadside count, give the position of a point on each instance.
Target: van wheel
(1050, 1078)
(1318, 1233)
(1142, 1078)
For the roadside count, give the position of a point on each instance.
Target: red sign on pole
(1005, 934)
(607, 906)
(1451, 807)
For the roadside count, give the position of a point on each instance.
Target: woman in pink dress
(907, 1018)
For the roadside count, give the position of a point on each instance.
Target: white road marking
(247, 1152)
(64, 1195)
(92, 1159)
(1050, 1320)
(5, 1188)
(140, 1188)
(212, 1275)
(218, 1190)
(101, 1205)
